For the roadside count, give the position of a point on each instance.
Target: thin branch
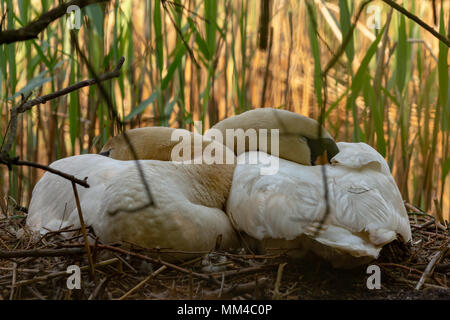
(17, 162)
(107, 76)
(161, 262)
(183, 8)
(324, 74)
(116, 119)
(13, 282)
(152, 260)
(40, 253)
(3, 19)
(142, 283)
(420, 22)
(27, 105)
(32, 30)
(62, 273)
(322, 113)
(242, 271)
(83, 231)
(12, 126)
(239, 289)
(276, 290)
(97, 290)
(188, 48)
(346, 39)
(430, 267)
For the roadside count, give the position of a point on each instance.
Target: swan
(156, 143)
(284, 210)
(297, 138)
(188, 198)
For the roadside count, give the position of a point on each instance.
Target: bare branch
(107, 76)
(420, 22)
(3, 19)
(83, 231)
(12, 126)
(324, 74)
(62, 273)
(346, 39)
(430, 267)
(41, 253)
(180, 34)
(116, 119)
(32, 30)
(27, 105)
(17, 162)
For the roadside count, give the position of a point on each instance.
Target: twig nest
(213, 262)
(20, 233)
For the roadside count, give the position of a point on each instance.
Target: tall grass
(199, 60)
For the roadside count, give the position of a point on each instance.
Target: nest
(31, 269)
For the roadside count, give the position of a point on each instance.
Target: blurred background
(192, 60)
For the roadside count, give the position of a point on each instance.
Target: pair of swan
(280, 210)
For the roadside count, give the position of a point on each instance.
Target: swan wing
(173, 220)
(366, 208)
(282, 205)
(369, 201)
(53, 206)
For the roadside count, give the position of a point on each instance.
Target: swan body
(188, 200)
(366, 209)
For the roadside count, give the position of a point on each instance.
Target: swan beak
(106, 153)
(322, 159)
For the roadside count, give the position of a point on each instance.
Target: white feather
(366, 208)
(185, 217)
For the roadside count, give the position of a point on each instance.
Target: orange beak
(322, 159)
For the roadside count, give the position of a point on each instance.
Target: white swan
(284, 210)
(189, 198)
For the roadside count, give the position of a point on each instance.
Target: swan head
(297, 138)
(322, 150)
(167, 144)
(149, 143)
